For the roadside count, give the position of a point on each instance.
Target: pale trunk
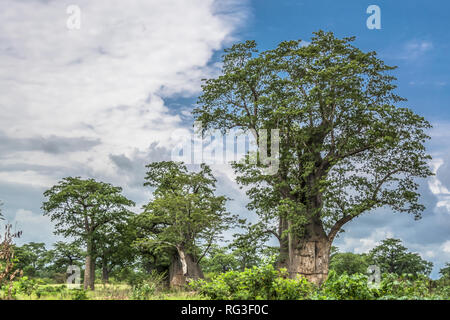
(183, 269)
(310, 258)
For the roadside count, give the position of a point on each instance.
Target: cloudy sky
(104, 99)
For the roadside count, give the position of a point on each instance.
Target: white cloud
(364, 245)
(106, 80)
(414, 49)
(446, 246)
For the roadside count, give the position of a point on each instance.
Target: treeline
(36, 261)
(179, 232)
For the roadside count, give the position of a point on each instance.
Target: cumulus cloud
(90, 102)
(36, 227)
(98, 90)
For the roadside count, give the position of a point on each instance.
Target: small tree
(348, 262)
(8, 270)
(183, 217)
(114, 248)
(445, 272)
(80, 208)
(63, 255)
(392, 257)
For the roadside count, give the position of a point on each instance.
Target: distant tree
(445, 272)
(346, 147)
(248, 246)
(219, 259)
(32, 258)
(114, 248)
(1, 215)
(80, 208)
(349, 263)
(392, 257)
(63, 255)
(184, 217)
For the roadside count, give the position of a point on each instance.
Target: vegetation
(81, 208)
(345, 148)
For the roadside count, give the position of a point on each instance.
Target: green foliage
(32, 258)
(347, 287)
(145, 287)
(345, 146)
(445, 272)
(392, 257)
(143, 291)
(78, 294)
(349, 263)
(184, 215)
(405, 286)
(264, 282)
(81, 208)
(218, 260)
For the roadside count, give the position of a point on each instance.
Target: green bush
(402, 287)
(78, 294)
(147, 285)
(143, 292)
(257, 283)
(347, 287)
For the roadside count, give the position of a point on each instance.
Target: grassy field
(101, 292)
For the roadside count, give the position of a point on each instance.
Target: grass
(105, 292)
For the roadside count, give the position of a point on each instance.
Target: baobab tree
(80, 209)
(184, 217)
(345, 145)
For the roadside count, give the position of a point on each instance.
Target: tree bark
(283, 261)
(309, 254)
(183, 269)
(89, 270)
(311, 260)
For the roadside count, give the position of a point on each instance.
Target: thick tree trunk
(183, 268)
(89, 273)
(283, 261)
(310, 259)
(309, 253)
(89, 270)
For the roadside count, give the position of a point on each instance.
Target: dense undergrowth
(262, 282)
(266, 282)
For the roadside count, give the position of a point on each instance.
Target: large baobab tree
(345, 145)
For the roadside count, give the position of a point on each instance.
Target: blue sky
(104, 100)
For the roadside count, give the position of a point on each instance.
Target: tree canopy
(346, 146)
(392, 257)
(80, 208)
(184, 215)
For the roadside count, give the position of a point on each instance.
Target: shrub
(406, 286)
(143, 292)
(263, 282)
(78, 294)
(147, 285)
(347, 287)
